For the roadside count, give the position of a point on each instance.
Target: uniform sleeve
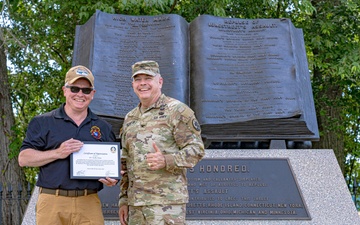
(124, 182)
(187, 135)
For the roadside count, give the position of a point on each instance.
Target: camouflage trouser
(157, 215)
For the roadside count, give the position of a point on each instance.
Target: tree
(332, 34)
(12, 177)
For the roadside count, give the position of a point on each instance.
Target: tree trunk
(12, 177)
(329, 120)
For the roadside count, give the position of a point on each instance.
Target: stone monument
(249, 85)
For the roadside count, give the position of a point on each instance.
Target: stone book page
(250, 80)
(118, 41)
(247, 70)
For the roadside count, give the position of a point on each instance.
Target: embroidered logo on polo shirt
(95, 132)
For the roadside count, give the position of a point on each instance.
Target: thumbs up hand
(155, 160)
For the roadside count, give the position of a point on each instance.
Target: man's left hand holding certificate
(96, 160)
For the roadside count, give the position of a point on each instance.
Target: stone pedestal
(317, 174)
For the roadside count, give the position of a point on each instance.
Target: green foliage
(144, 7)
(190, 9)
(31, 174)
(44, 30)
(335, 41)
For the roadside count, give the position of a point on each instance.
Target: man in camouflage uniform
(160, 139)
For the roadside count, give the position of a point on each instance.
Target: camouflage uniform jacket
(173, 127)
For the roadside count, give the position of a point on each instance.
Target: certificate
(96, 160)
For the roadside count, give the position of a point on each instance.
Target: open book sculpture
(246, 79)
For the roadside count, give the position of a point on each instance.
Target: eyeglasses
(75, 89)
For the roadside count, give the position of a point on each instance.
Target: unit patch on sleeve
(196, 124)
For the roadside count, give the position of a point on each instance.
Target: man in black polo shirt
(49, 141)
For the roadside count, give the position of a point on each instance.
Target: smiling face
(78, 102)
(147, 88)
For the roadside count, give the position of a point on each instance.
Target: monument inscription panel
(237, 188)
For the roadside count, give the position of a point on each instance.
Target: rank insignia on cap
(196, 124)
(95, 132)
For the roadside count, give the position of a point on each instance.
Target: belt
(67, 193)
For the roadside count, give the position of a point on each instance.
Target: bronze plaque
(240, 188)
(235, 188)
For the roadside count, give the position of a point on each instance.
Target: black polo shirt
(48, 131)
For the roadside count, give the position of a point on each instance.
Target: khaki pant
(157, 215)
(60, 210)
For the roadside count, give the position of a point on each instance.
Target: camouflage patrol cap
(146, 67)
(78, 72)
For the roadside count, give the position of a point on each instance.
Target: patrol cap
(78, 72)
(145, 67)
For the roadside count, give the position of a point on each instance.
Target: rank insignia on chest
(95, 132)
(162, 109)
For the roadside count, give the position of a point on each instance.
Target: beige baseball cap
(78, 72)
